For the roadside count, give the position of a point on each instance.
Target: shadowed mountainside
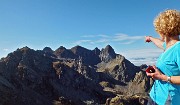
(76, 76)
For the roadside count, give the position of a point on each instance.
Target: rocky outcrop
(62, 52)
(107, 54)
(96, 51)
(119, 68)
(127, 100)
(88, 57)
(48, 50)
(75, 76)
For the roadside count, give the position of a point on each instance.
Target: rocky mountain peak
(109, 49)
(107, 54)
(60, 49)
(19, 52)
(96, 51)
(88, 56)
(62, 52)
(48, 49)
(78, 49)
(26, 48)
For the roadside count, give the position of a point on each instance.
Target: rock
(63, 101)
(127, 100)
(62, 52)
(96, 51)
(107, 54)
(70, 76)
(48, 50)
(86, 55)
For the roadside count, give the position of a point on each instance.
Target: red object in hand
(148, 39)
(150, 69)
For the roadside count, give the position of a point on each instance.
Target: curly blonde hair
(168, 23)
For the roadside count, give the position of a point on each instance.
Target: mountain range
(76, 76)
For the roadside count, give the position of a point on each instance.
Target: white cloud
(117, 39)
(142, 56)
(88, 36)
(5, 49)
(120, 37)
(104, 36)
(92, 36)
(101, 38)
(147, 61)
(102, 41)
(124, 37)
(127, 42)
(139, 53)
(81, 41)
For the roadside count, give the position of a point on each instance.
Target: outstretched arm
(156, 41)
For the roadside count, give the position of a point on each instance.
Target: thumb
(154, 67)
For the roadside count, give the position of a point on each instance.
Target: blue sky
(88, 23)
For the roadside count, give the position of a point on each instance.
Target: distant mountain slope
(75, 76)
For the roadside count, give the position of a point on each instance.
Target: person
(166, 87)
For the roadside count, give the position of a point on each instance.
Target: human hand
(147, 39)
(150, 69)
(157, 75)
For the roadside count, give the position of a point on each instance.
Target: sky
(88, 23)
